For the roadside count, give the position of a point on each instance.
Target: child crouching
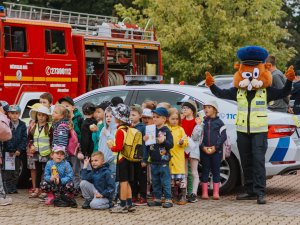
(97, 186)
(58, 180)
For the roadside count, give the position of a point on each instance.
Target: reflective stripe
(252, 129)
(42, 142)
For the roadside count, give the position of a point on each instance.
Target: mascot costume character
(252, 90)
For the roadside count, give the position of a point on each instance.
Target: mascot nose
(250, 78)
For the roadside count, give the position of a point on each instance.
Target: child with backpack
(38, 148)
(88, 126)
(211, 149)
(60, 129)
(124, 170)
(192, 154)
(77, 120)
(139, 184)
(58, 179)
(158, 155)
(97, 186)
(177, 162)
(14, 148)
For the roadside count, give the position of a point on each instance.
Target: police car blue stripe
(281, 150)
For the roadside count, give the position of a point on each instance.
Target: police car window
(15, 39)
(159, 96)
(55, 42)
(100, 97)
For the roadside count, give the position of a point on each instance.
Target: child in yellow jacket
(177, 162)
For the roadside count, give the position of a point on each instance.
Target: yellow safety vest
(42, 142)
(253, 118)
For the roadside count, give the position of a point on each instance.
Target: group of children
(178, 140)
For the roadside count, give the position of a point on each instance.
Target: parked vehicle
(283, 154)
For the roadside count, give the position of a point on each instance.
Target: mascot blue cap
(252, 55)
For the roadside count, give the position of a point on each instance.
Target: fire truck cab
(69, 53)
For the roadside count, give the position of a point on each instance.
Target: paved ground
(283, 208)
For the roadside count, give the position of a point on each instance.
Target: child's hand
(146, 138)
(32, 149)
(1, 161)
(198, 120)
(161, 139)
(110, 144)
(181, 141)
(86, 162)
(93, 128)
(80, 156)
(56, 180)
(97, 195)
(143, 164)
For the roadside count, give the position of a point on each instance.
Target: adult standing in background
(278, 81)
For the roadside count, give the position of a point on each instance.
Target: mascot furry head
(252, 71)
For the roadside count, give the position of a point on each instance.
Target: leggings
(39, 166)
(194, 168)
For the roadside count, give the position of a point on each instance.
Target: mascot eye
(246, 75)
(255, 73)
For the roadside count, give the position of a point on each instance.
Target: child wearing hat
(158, 155)
(124, 170)
(14, 148)
(211, 149)
(192, 154)
(58, 178)
(38, 148)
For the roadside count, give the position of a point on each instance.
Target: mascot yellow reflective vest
(252, 90)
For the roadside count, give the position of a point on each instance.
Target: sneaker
(193, 198)
(131, 208)
(141, 202)
(86, 204)
(119, 209)
(135, 200)
(5, 201)
(167, 204)
(154, 203)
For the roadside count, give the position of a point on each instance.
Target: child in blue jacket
(211, 149)
(58, 178)
(14, 147)
(97, 186)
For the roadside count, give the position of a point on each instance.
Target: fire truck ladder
(79, 21)
(88, 24)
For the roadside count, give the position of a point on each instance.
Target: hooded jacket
(102, 179)
(64, 170)
(18, 140)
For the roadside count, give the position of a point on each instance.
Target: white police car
(283, 154)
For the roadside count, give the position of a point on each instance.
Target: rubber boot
(182, 200)
(204, 191)
(50, 197)
(216, 187)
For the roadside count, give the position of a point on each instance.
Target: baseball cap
(14, 108)
(66, 99)
(161, 112)
(58, 148)
(136, 107)
(4, 105)
(147, 113)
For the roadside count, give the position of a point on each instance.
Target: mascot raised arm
(252, 90)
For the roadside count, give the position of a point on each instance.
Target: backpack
(226, 144)
(132, 149)
(73, 144)
(5, 131)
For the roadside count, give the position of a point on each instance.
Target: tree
(200, 35)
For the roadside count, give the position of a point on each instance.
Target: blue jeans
(161, 181)
(211, 163)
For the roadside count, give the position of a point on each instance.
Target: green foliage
(200, 35)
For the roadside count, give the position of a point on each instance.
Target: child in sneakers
(124, 166)
(192, 154)
(14, 147)
(38, 149)
(58, 177)
(158, 155)
(139, 184)
(177, 162)
(89, 125)
(97, 186)
(212, 149)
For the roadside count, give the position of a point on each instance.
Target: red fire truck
(69, 53)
